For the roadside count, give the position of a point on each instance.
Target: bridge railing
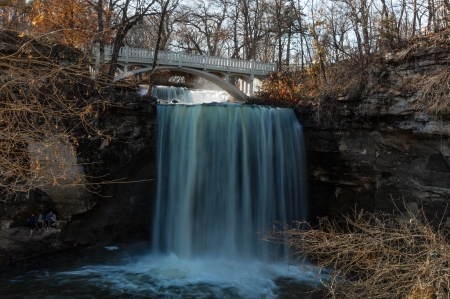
(146, 56)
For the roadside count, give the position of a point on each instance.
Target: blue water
(133, 272)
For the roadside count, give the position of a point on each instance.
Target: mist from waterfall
(226, 172)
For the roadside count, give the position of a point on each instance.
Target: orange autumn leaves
(71, 22)
(280, 87)
(291, 87)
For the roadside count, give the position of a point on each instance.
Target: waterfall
(169, 93)
(184, 95)
(226, 172)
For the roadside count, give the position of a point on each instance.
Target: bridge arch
(230, 88)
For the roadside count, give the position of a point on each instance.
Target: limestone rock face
(381, 146)
(124, 168)
(368, 168)
(60, 176)
(101, 188)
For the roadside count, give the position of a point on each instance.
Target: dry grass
(421, 292)
(374, 255)
(434, 94)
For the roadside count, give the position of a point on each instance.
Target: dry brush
(374, 255)
(47, 94)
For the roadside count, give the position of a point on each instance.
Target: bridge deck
(136, 56)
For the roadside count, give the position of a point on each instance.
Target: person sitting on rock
(32, 223)
(40, 223)
(48, 221)
(53, 220)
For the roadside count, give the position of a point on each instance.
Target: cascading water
(169, 93)
(226, 172)
(186, 96)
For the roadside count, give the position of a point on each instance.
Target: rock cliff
(116, 204)
(383, 145)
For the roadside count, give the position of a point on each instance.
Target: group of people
(36, 224)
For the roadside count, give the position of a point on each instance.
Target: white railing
(145, 56)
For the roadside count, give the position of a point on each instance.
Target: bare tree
(46, 96)
(127, 14)
(204, 28)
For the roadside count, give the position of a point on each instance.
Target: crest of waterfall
(184, 95)
(226, 172)
(170, 93)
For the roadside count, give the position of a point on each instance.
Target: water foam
(172, 277)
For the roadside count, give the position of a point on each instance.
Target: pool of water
(133, 272)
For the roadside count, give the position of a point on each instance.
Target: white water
(225, 173)
(186, 96)
(171, 277)
(131, 272)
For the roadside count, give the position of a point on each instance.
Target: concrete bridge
(217, 70)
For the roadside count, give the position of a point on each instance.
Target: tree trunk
(358, 39)
(365, 26)
(288, 50)
(414, 18)
(120, 36)
(101, 27)
(430, 15)
(280, 52)
(158, 43)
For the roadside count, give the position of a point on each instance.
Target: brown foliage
(71, 22)
(347, 78)
(280, 87)
(374, 255)
(47, 94)
(421, 292)
(312, 94)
